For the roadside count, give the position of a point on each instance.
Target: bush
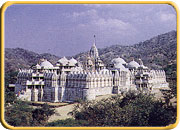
(68, 122)
(10, 78)
(9, 96)
(42, 114)
(20, 113)
(131, 110)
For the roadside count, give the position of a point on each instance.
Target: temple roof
(73, 61)
(63, 60)
(120, 66)
(133, 64)
(94, 51)
(46, 64)
(118, 60)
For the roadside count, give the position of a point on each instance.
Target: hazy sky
(65, 30)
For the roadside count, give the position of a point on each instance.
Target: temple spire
(140, 61)
(94, 39)
(94, 51)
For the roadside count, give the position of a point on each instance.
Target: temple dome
(63, 61)
(144, 67)
(46, 64)
(120, 67)
(141, 64)
(133, 64)
(38, 66)
(94, 52)
(118, 60)
(72, 61)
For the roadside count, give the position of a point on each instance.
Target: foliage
(10, 77)
(168, 96)
(20, 113)
(171, 74)
(131, 110)
(9, 96)
(162, 115)
(162, 52)
(41, 115)
(68, 122)
(171, 70)
(16, 58)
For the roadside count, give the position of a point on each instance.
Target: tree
(68, 122)
(131, 110)
(10, 77)
(162, 115)
(19, 114)
(42, 114)
(171, 74)
(9, 96)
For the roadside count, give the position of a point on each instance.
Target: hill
(157, 52)
(20, 58)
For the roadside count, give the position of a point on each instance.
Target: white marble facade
(70, 81)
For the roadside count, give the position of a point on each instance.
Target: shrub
(131, 110)
(68, 122)
(20, 113)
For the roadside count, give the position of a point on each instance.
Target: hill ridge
(153, 52)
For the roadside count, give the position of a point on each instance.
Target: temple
(69, 80)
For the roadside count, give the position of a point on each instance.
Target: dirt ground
(62, 112)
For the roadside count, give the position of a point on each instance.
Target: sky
(65, 30)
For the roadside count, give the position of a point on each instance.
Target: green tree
(171, 74)
(10, 77)
(68, 122)
(9, 97)
(42, 114)
(19, 114)
(131, 110)
(162, 115)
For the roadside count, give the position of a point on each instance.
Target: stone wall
(84, 85)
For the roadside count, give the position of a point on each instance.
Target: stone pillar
(89, 94)
(35, 94)
(54, 94)
(32, 94)
(61, 94)
(40, 93)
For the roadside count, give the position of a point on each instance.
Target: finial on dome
(94, 39)
(140, 61)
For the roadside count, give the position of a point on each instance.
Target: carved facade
(69, 81)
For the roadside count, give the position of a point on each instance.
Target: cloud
(164, 17)
(91, 19)
(98, 5)
(107, 29)
(93, 5)
(108, 25)
(89, 13)
(114, 24)
(73, 26)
